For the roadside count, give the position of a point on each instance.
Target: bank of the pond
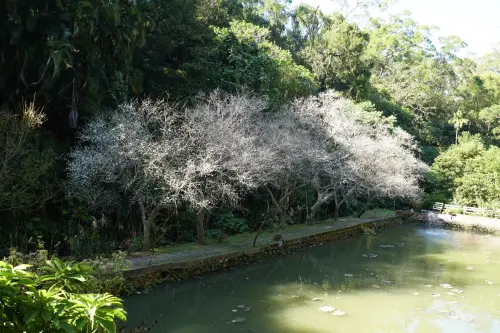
(141, 275)
(468, 222)
(185, 264)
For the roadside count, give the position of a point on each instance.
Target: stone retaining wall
(176, 271)
(460, 225)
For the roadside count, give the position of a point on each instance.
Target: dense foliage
(112, 138)
(468, 173)
(52, 298)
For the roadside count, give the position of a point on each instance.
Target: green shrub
(230, 224)
(108, 273)
(54, 301)
(453, 211)
(213, 233)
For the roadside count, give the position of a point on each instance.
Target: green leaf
(79, 278)
(67, 327)
(30, 315)
(46, 315)
(108, 324)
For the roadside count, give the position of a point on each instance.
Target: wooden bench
(488, 212)
(438, 207)
(454, 207)
(472, 210)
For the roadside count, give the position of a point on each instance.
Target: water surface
(406, 279)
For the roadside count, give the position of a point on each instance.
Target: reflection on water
(419, 280)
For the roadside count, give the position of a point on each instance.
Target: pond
(403, 279)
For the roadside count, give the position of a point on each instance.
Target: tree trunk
(200, 228)
(146, 239)
(337, 207)
(336, 212)
(147, 223)
(259, 231)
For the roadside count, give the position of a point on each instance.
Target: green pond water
(431, 280)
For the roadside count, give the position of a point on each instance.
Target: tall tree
(458, 121)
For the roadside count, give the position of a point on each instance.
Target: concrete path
(217, 249)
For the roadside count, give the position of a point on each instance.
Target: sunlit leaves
(31, 303)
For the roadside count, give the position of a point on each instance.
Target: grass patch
(377, 213)
(239, 242)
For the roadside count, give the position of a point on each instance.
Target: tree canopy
(108, 112)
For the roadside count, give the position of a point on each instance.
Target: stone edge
(177, 271)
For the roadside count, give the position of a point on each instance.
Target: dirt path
(211, 250)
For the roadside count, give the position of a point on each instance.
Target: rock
(338, 313)
(241, 306)
(234, 310)
(436, 295)
(238, 320)
(248, 309)
(317, 299)
(365, 255)
(373, 255)
(326, 308)
(348, 275)
(428, 285)
(446, 286)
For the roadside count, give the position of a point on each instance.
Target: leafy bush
(453, 211)
(25, 175)
(35, 259)
(213, 233)
(231, 225)
(54, 302)
(108, 273)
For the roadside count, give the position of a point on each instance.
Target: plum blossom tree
(366, 159)
(119, 158)
(227, 155)
(156, 156)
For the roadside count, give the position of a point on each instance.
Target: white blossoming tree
(118, 158)
(156, 155)
(227, 156)
(366, 159)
